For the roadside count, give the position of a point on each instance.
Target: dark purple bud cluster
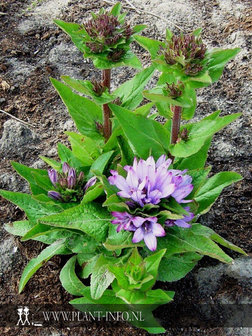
(174, 90)
(69, 185)
(105, 31)
(188, 50)
(98, 87)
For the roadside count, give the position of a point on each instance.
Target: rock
(66, 58)
(52, 152)
(9, 256)
(69, 125)
(13, 182)
(241, 269)
(20, 69)
(17, 139)
(39, 164)
(209, 279)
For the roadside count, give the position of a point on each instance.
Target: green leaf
(66, 155)
(69, 279)
(33, 208)
(88, 267)
(177, 266)
(108, 297)
(152, 46)
(128, 59)
(78, 35)
(144, 110)
(127, 155)
(168, 34)
(178, 240)
(86, 87)
(199, 133)
(206, 231)
(139, 28)
(27, 173)
(85, 145)
(34, 264)
(160, 98)
(35, 231)
(189, 95)
(101, 278)
(145, 135)
(217, 59)
(19, 228)
(199, 177)
(197, 160)
(100, 163)
(197, 32)
(54, 164)
(116, 9)
(93, 193)
(211, 190)
(152, 263)
(129, 91)
(90, 218)
(84, 112)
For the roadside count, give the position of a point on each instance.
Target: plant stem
(107, 125)
(177, 110)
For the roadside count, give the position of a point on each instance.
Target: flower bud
(53, 176)
(65, 167)
(54, 195)
(71, 179)
(80, 177)
(90, 182)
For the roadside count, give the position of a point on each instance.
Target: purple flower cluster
(147, 182)
(67, 182)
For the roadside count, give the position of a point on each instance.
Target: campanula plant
(125, 201)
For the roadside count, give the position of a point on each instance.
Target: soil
(34, 49)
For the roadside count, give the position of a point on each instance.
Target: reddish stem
(177, 110)
(107, 125)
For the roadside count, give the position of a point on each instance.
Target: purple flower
(65, 167)
(90, 183)
(54, 195)
(148, 229)
(146, 181)
(183, 186)
(53, 176)
(183, 222)
(71, 178)
(124, 220)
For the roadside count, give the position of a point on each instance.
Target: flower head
(148, 182)
(183, 222)
(106, 32)
(187, 50)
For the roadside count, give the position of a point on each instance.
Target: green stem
(107, 125)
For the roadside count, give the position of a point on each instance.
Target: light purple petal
(150, 241)
(158, 230)
(138, 235)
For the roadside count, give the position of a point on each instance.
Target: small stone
(17, 139)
